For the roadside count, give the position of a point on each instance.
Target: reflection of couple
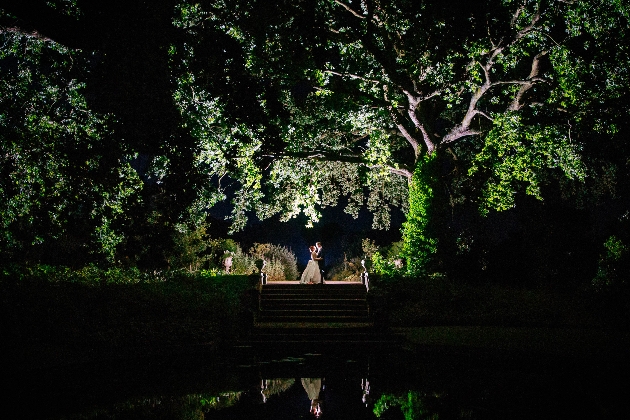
(313, 273)
(313, 387)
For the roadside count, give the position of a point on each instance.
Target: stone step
(329, 310)
(299, 304)
(310, 319)
(307, 297)
(310, 296)
(311, 292)
(296, 284)
(308, 305)
(314, 289)
(292, 332)
(309, 325)
(309, 301)
(335, 288)
(313, 309)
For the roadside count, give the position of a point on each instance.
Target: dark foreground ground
(45, 324)
(150, 349)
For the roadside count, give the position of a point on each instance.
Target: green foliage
(280, 262)
(613, 267)
(59, 174)
(195, 406)
(521, 94)
(189, 250)
(243, 263)
(223, 147)
(592, 68)
(287, 113)
(386, 266)
(412, 405)
(380, 265)
(388, 261)
(349, 269)
(66, 7)
(516, 157)
(420, 246)
(368, 247)
(195, 252)
(377, 260)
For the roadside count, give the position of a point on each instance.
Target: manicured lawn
(49, 321)
(570, 342)
(46, 324)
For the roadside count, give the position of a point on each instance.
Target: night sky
(337, 231)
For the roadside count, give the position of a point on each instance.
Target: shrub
(420, 243)
(243, 263)
(614, 266)
(189, 248)
(281, 263)
(348, 270)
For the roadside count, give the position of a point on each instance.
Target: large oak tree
(424, 105)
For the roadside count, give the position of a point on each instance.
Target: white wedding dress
(311, 274)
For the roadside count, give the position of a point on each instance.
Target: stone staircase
(299, 319)
(330, 305)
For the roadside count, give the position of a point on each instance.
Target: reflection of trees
(192, 406)
(414, 405)
(271, 387)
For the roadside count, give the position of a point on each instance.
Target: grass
(436, 313)
(53, 323)
(436, 302)
(52, 318)
(568, 342)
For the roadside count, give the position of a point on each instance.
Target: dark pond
(341, 383)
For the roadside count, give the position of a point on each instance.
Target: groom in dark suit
(320, 259)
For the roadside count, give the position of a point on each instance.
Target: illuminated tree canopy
(136, 117)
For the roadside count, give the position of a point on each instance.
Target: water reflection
(365, 386)
(313, 388)
(389, 386)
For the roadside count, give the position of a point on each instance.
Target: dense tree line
(499, 127)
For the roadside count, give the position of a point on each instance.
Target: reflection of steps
(306, 305)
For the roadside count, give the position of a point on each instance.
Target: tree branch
(349, 9)
(36, 19)
(517, 13)
(32, 33)
(463, 128)
(403, 130)
(527, 84)
(459, 132)
(529, 27)
(352, 76)
(414, 101)
(398, 171)
(484, 115)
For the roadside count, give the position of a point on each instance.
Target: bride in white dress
(311, 274)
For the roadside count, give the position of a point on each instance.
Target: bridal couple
(313, 274)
